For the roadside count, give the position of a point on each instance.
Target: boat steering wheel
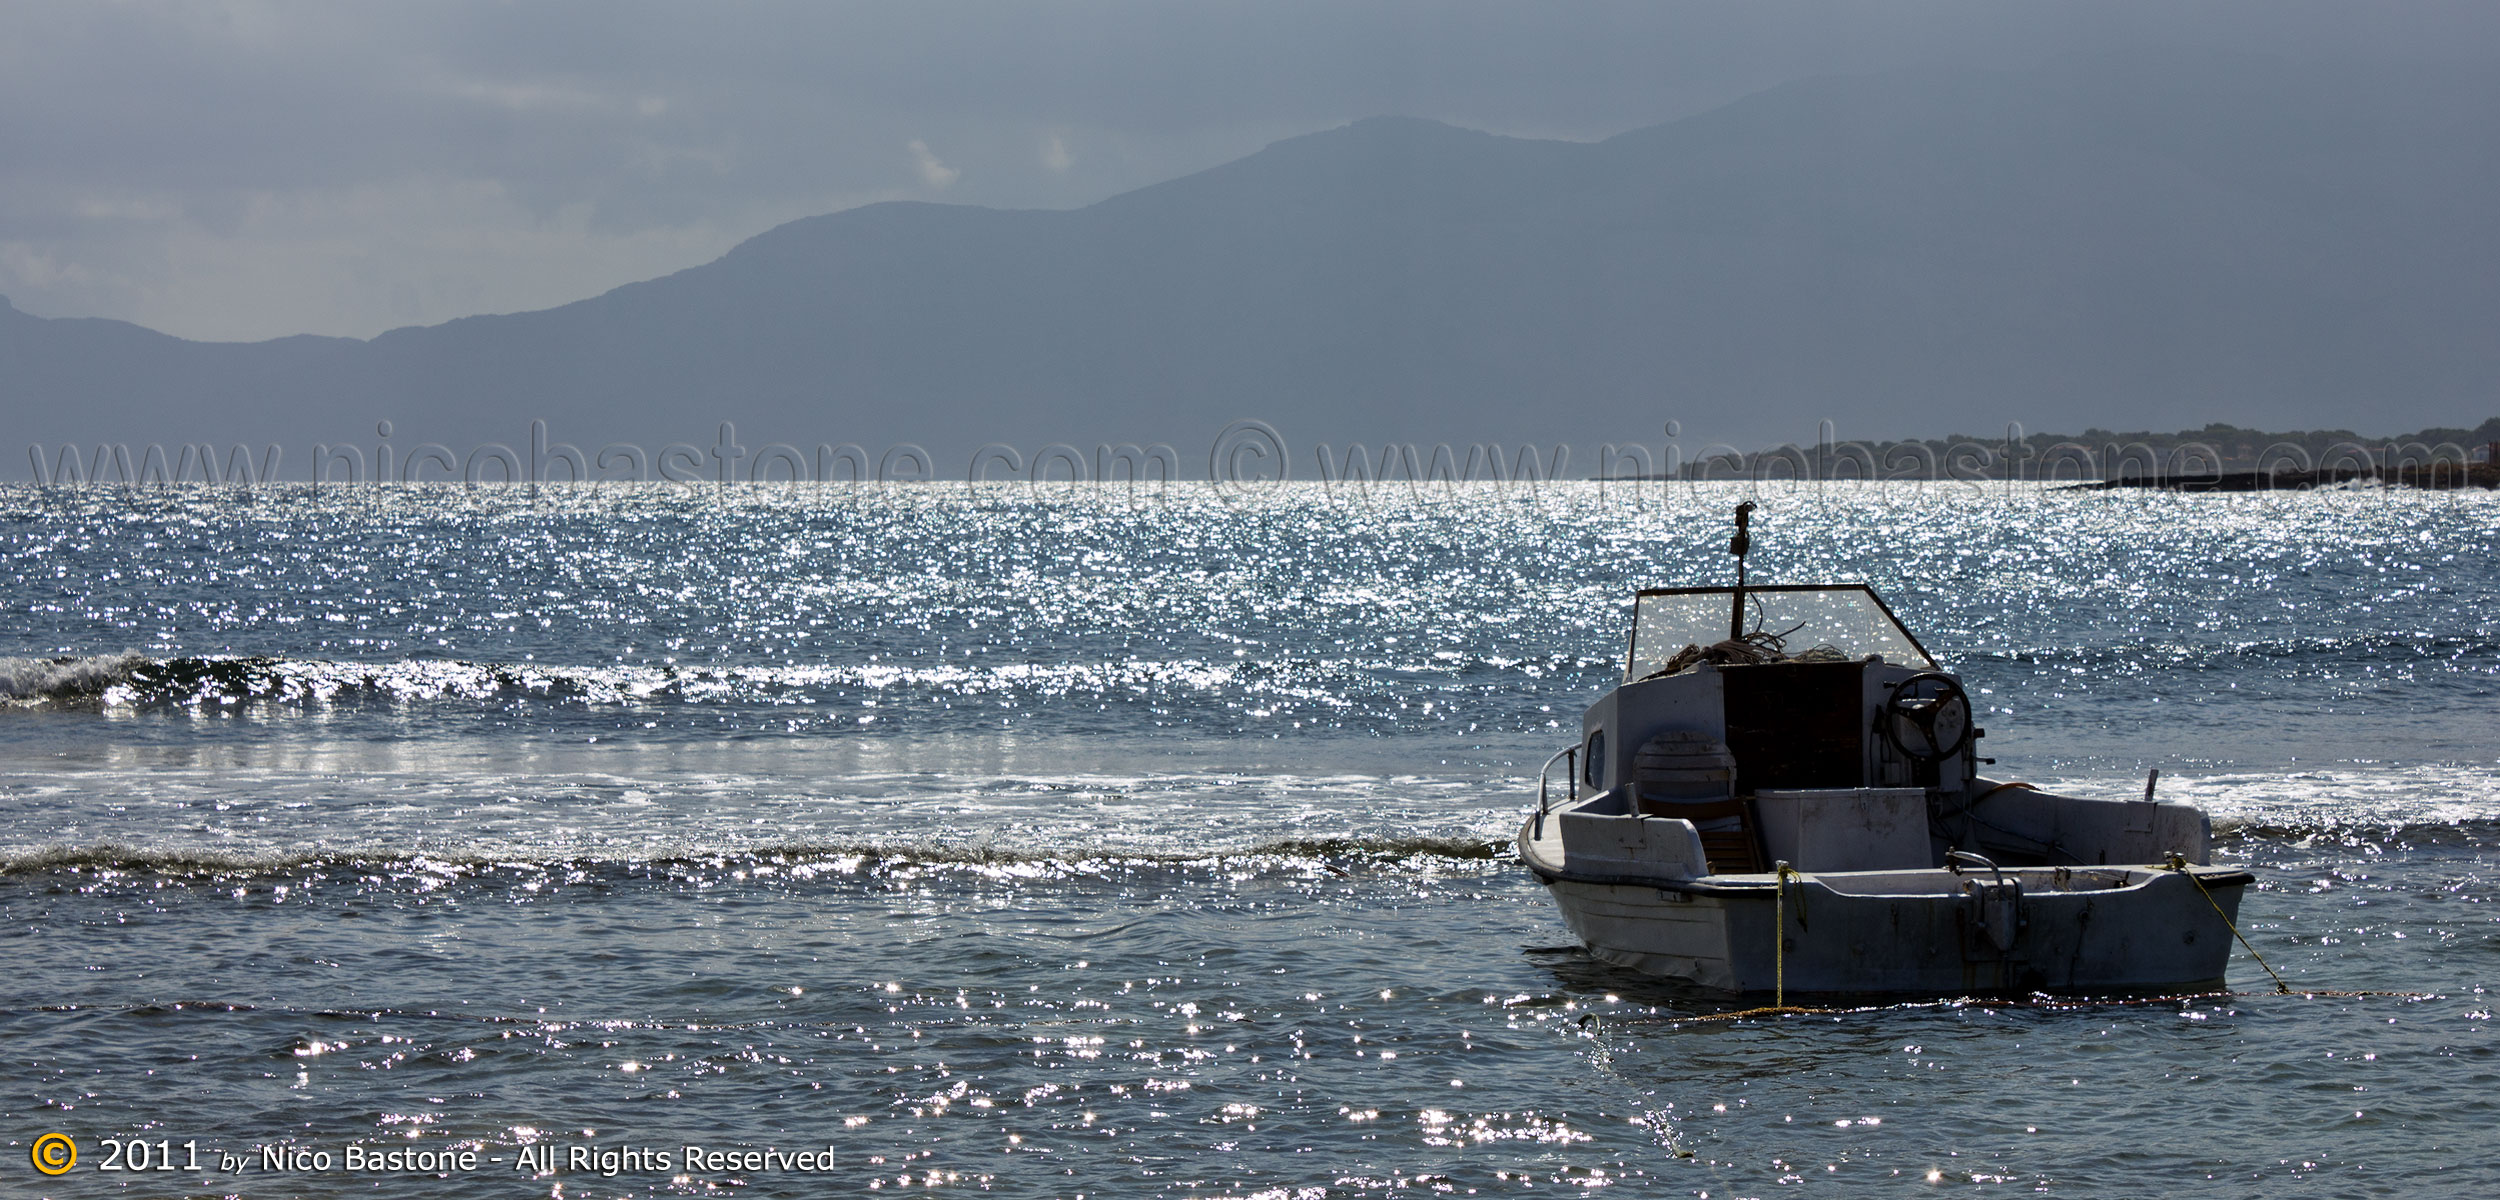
(1928, 717)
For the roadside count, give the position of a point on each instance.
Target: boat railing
(1569, 756)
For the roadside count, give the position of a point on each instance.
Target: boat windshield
(1846, 617)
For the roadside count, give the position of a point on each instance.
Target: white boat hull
(1921, 931)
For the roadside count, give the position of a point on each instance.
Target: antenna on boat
(1742, 543)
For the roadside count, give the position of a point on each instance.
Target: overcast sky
(233, 171)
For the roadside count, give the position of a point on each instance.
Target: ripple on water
(1075, 845)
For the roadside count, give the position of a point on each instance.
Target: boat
(1783, 796)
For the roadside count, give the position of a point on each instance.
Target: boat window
(1593, 771)
(1844, 621)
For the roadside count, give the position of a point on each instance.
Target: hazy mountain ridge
(2123, 242)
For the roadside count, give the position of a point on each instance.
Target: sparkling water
(1106, 842)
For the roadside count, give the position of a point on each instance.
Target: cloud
(32, 268)
(358, 260)
(1055, 154)
(934, 173)
(529, 97)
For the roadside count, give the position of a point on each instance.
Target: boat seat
(1731, 842)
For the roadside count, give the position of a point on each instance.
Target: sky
(237, 171)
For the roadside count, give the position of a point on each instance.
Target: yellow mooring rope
(1779, 950)
(1779, 934)
(2179, 863)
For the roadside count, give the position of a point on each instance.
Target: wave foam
(67, 679)
(798, 860)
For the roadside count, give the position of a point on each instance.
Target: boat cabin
(1824, 736)
(1817, 737)
(1811, 699)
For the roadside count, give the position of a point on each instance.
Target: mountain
(2133, 241)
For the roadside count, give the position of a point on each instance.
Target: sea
(1116, 842)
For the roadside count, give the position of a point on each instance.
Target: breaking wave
(65, 679)
(136, 678)
(798, 861)
(132, 678)
(802, 862)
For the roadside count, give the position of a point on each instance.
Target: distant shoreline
(2437, 476)
(2217, 458)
